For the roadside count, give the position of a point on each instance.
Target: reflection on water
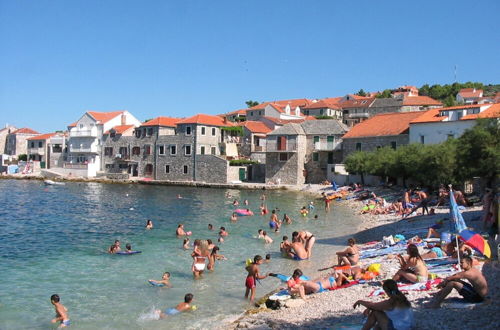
(53, 240)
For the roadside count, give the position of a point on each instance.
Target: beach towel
(345, 285)
(423, 286)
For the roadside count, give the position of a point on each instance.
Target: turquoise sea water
(53, 239)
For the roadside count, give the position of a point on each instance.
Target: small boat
(53, 183)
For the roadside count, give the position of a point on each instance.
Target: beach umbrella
(457, 223)
(476, 241)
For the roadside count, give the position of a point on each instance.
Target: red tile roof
(25, 130)
(42, 136)
(420, 100)
(103, 117)
(120, 129)
(256, 126)
(205, 120)
(470, 92)
(283, 103)
(287, 121)
(242, 112)
(329, 102)
(162, 121)
(385, 124)
(492, 112)
(358, 102)
(72, 124)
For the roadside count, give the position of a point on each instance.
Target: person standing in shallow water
(252, 277)
(61, 312)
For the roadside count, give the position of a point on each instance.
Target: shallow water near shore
(53, 239)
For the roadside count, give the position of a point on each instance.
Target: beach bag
(273, 304)
(388, 240)
(375, 268)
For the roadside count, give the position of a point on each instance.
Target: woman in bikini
(199, 255)
(302, 288)
(307, 239)
(350, 256)
(413, 267)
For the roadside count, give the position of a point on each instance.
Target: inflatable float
(243, 212)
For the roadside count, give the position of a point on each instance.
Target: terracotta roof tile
(359, 102)
(470, 92)
(283, 103)
(25, 130)
(433, 115)
(103, 117)
(492, 112)
(242, 112)
(385, 124)
(256, 126)
(162, 121)
(330, 102)
(205, 120)
(420, 100)
(42, 136)
(120, 129)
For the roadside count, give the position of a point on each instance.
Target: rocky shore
(333, 309)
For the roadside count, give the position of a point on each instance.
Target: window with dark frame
(185, 169)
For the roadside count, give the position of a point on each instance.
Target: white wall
(437, 132)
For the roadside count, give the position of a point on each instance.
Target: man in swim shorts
(61, 311)
(473, 291)
(182, 307)
(253, 276)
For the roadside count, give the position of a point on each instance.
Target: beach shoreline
(333, 309)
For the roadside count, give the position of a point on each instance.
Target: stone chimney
(124, 119)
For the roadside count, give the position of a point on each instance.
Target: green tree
(385, 94)
(251, 103)
(361, 92)
(22, 157)
(478, 153)
(357, 163)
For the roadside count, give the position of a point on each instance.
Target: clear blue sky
(59, 58)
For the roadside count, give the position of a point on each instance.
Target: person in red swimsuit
(253, 275)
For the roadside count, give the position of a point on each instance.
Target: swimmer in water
(223, 232)
(149, 224)
(268, 258)
(260, 231)
(286, 219)
(179, 197)
(285, 246)
(182, 307)
(61, 312)
(234, 217)
(236, 203)
(165, 280)
(245, 202)
(115, 247)
(220, 239)
(214, 256)
(185, 244)
(180, 230)
(268, 239)
(303, 211)
(210, 227)
(210, 244)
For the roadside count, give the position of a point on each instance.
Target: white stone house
(438, 125)
(50, 149)
(284, 109)
(85, 139)
(469, 95)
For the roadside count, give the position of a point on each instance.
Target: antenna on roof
(455, 73)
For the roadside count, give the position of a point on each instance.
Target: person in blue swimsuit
(303, 288)
(61, 311)
(182, 307)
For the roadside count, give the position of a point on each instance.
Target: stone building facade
(16, 141)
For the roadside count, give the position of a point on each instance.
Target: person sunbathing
(413, 267)
(393, 313)
(350, 256)
(303, 288)
(473, 292)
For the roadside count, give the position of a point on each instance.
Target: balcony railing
(233, 139)
(325, 146)
(92, 149)
(83, 133)
(290, 147)
(358, 115)
(76, 166)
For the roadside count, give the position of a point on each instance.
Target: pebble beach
(333, 309)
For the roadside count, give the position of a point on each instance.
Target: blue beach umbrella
(457, 223)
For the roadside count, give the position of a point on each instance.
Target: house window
(173, 150)
(281, 143)
(81, 126)
(185, 169)
(213, 150)
(136, 151)
(321, 111)
(40, 144)
(316, 139)
(188, 130)
(214, 131)
(422, 139)
(148, 170)
(150, 131)
(203, 129)
(460, 114)
(315, 156)
(393, 145)
(161, 150)
(358, 146)
(187, 150)
(108, 151)
(32, 144)
(147, 149)
(123, 151)
(167, 169)
(112, 133)
(251, 113)
(137, 133)
(202, 150)
(283, 157)
(260, 113)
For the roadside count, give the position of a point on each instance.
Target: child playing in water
(214, 256)
(61, 311)
(303, 211)
(165, 280)
(182, 307)
(149, 224)
(268, 239)
(253, 276)
(185, 244)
